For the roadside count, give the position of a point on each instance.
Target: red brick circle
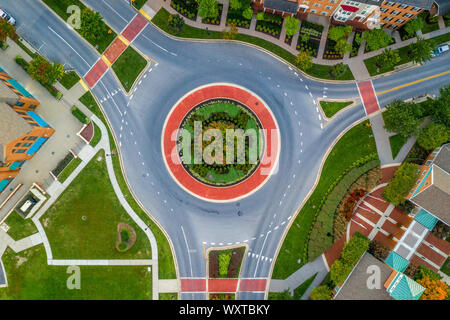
(220, 193)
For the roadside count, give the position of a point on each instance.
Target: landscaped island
(216, 162)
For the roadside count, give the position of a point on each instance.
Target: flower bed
(235, 16)
(214, 21)
(330, 53)
(309, 38)
(225, 263)
(271, 25)
(126, 237)
(221, 296)
(288, 39)
(188, 9)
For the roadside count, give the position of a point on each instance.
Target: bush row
(62, 164)
(185, 11)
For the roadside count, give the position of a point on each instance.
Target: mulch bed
(88, 132)
(120, 227)
(233, 268)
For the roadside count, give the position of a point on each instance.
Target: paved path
(381, 139)
(301, 275)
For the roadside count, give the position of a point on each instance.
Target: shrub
(433, 136)
(378, 250)
(354, 249)
(321, 293)
(400, 185)
(224, 262)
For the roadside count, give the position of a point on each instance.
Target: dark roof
(442, 159)
(371, 2)
(424, 4)
(355, 287)
(443, 7)
(281, 5)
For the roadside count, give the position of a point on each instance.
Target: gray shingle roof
(442, 159)
(443, 7)
(355, 287)
(424, 4)
(281, 5)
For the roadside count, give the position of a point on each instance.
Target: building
(371, 279)
(431, 192)
(361, 14)
(22, 131)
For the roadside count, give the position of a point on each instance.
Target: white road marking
(185, 240)
(69, 46)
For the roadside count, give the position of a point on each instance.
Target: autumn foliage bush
(434, 289)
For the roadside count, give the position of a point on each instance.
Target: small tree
(378, 250)
(248, 13)
(6, 30)
(342, 46)
(425, 272)
(376, 39)
(414, 25)
(208, 9)
(230, 33)
(432, 136)
(402, 118)
(260, 16)
(354, 249)
(400, 185)
(92, 25)
(45, 72)
(338, 70)
(434, 289)
(304, 61)
(321, 293)
(440, 108)
(388, 58)
(292, 25)
(339, 32)
(175, 23)
(235, 4)
(421, 51)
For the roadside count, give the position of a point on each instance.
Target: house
(371, 279)
(361, 14)
(22, 131)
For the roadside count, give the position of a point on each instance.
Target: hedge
(319, 240)
(62, 164)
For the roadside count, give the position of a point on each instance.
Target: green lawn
(97, 135)
(82, 223)
(30, 278)
(69, 169)
(330, 108)
(404, 56)
(168, 296)
(166, 266)
(138, 3)
(60, 8)
(397, 142)
(429, 27)
(77, 113)
(357, 143)
(69, 79)
(319, 71)
(19, 227)
(298, 292)
(446, 267)
(128, 67)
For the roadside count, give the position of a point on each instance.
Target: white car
(440, 49)
(7, 16)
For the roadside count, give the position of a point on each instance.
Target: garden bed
(222, 296)
(235, 16)
(214, 21)
(62, 164)
(187, 9)
(288, 40)
(126, 237)
(403, 34)
(309, 38)
(329, 53)
(271, 25)
(77, 113)
(225, 263)
(355, 45)
(431, 23)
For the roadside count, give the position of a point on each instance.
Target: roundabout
(199, 138)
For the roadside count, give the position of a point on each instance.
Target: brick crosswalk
(368, 97)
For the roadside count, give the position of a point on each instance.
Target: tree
(321, 293)
(425, 272)
(175, 23)
(421, 50)
(339, 32)
(432, 136)
(208, 9)
(92, 25)
(388, 58)
(45, 72)
(414, 25)
(354, 249)
(342, 46)
(338, 70)
(235, 4)
(434, 289)
(260, 16)
(440, 108)
(339, 271)
(304, 61)
(292, 25)
(6, 30)
(376, 39)
(400, 185)
(402, 118)
(248, 13)
(230, 33)
(378, 250)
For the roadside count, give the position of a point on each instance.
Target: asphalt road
(137, 119)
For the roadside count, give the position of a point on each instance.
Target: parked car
(440, 49)
(7, 16)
